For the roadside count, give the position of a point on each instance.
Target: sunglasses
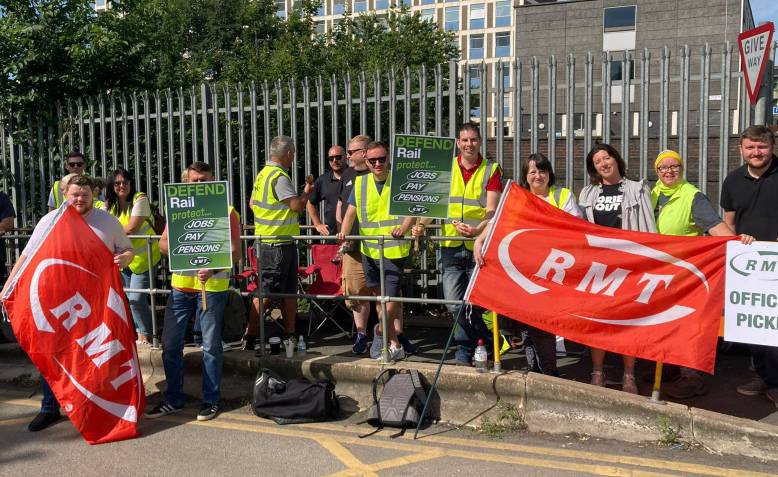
(335, 158)
(121, 183)
(75, 164)
(351, 152)
(377, 160)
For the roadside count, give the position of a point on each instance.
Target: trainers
(395, 354)
(208, 411)
(772, 394)
(686, 387)
(377, 344)
(249, 342)
(360, 344)
(163, 409)
(43, 420)
(754, 387)
(408, 347)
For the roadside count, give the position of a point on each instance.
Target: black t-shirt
(607, 208)
(326, 188)
(6, 210)
(754, 201)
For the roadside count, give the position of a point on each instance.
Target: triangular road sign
(754, 47)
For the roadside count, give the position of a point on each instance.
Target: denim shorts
(393, 270)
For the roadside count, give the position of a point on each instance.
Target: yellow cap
(667, 153)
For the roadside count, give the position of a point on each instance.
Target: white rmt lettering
(127, 375)
(97, 346)
(653, 282)
(596, 281)
(74, 307)
(557, 261)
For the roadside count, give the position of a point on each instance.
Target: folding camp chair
(326, 281)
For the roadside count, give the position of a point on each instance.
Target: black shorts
(279, 268)
(393, 271)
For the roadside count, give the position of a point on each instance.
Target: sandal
(598, 379)
(628, 384)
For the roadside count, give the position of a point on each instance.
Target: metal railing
(642, 102)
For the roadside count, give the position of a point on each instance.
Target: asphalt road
(238, 443)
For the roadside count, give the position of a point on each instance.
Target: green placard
(421, 175)
(198, 223)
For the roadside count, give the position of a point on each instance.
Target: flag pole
(202, 296)
(440, 366)
(496, 338)
(657, 382)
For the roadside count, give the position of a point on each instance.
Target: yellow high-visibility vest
(139, 264)
(558, 197)
(272, 216)
(374, 219)
(467, 202)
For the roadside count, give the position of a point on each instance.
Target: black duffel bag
(294, 401)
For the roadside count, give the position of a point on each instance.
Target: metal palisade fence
(641, 102)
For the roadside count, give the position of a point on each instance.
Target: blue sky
(765, 10)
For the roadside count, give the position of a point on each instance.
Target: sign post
(198, 227)
(421, 175)
(754, 47)
(751, 300)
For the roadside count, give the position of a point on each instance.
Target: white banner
(751, 302)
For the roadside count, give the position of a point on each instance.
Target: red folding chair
(248, 280)
(326, 281)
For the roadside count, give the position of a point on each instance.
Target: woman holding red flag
(682, 209)
(612, 200)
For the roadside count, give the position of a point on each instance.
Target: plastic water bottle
(301, 347)
(480, 358)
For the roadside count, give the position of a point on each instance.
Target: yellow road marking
(13, 422)
(500, 446)
(392, 463)
(346, 457)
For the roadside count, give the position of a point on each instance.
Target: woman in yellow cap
(682, 209)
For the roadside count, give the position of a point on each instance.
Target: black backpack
(401, 402)
(294, 401)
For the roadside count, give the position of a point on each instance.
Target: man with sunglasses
(75, 163)
(353, 275)
(369, 204)
(326, 188)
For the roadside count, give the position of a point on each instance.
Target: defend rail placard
(421, 175)
(198, 226)
(751, 302)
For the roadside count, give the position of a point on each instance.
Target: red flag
(70, 315)
(652, 296)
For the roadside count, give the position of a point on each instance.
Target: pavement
(721, 421)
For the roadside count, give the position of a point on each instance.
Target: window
(616, 72)
(474, 73)
(320, 11)
(401, 3)
(506, 76)
(502, 13)
(506, 104)
(428, 14)
(476, 50)
(319, 27)
(452, 19)
(502, 44)
(360, 6)
(381, 4)
(619, 18)
(477, 16)
(475, 113)
(427, 2)
(338, 7)
(280, 8)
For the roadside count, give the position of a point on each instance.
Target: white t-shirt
(101, 222)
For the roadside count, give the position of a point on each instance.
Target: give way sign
(754, 47)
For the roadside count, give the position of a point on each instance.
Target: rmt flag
(657, 297)
(70, 315)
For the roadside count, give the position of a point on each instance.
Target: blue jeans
(178, 312)
(49, 403)
(139, 302)
(456, 265)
